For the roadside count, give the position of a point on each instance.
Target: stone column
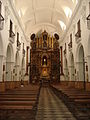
(1, 67)
(12, 66)
(72, 73)
(66, 73)
(17, 70)
(27, 60)
(9, 71)
(80, 69)
(89, 68)
(61, 57)
(23, 73)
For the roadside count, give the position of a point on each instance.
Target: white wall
(81, 13)
(8, 13)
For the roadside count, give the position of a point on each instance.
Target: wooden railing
(78, 34)
(1, 18)
(70, 45)
(11, 34)
(18, 43)
(1, 22)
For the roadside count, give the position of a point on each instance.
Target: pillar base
(62, 77)
(2, 86)
(71, 84)
(88, 86)
(79, 84)
(12, 84)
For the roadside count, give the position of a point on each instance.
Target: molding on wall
(72, 18)
(17, 17)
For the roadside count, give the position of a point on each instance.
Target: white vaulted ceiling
(51, 15)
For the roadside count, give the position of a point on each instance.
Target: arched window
(44, 61)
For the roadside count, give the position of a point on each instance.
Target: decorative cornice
(72, 18)
(17, 17)
(7, 13)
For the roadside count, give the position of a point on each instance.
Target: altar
(45, 57)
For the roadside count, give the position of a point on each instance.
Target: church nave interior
(45, 59)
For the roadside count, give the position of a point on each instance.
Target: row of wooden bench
(77, 100)
(20, 99)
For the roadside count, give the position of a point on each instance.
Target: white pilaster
(1, 67)
(72, 73)
(89, 68)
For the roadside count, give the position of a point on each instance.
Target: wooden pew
(77, 100)
(24, 98)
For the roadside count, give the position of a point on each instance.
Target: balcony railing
(11, 36)
(18, 45)
(88, 21)
(70, 46)
(1, 22)
(78, 36)
(11, 33)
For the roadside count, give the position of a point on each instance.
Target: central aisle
(50, 107)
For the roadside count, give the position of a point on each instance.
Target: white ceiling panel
(42, 14)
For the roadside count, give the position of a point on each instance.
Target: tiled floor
(51, 107)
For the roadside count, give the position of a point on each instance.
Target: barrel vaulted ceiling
(50, 15)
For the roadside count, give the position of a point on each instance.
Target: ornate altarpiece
(44, 58)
